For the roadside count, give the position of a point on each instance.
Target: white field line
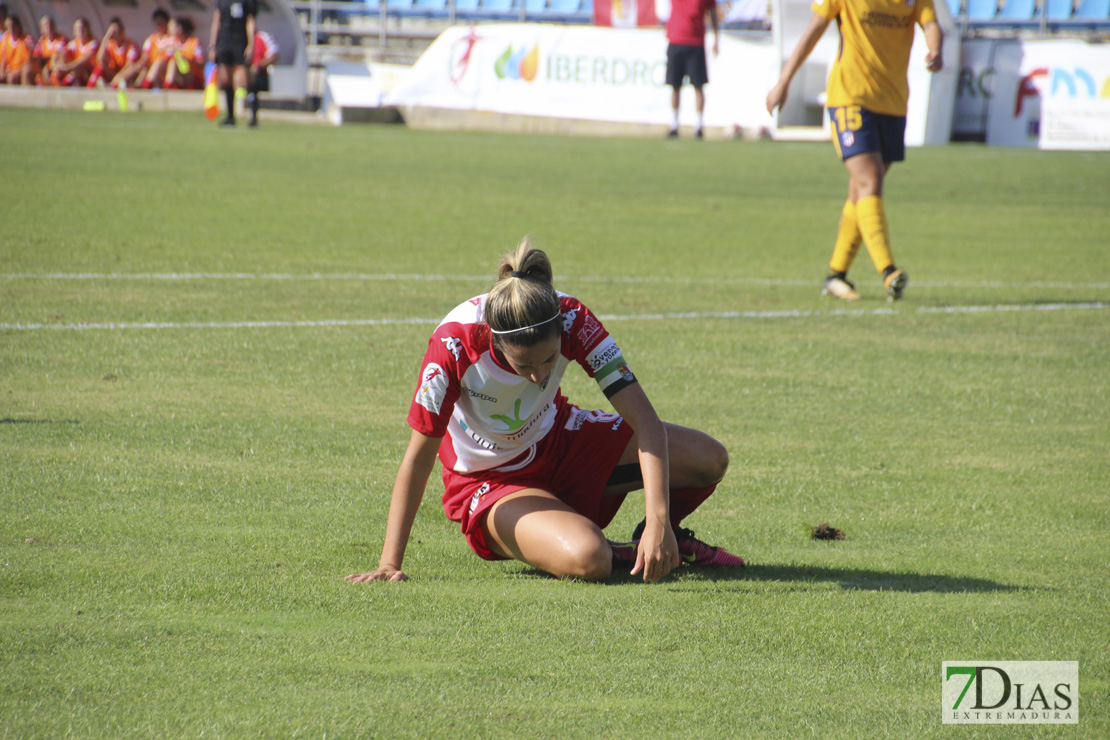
(752, 315)
(418, 277)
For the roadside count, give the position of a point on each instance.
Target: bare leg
(865, 175)
(696, 459)
(535, 527)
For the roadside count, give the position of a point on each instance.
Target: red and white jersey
(75, 49)
(47, 48)
(488, 415)
(190, 50)
(120, 53)
(264, 46)
(159, 45)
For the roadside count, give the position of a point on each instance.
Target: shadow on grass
(802, 577)
(851, 579)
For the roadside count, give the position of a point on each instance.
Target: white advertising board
(590, 73)
(1075, 124)
(1069, 80)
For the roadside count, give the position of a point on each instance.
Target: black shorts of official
(686, 61)
(857, 130)
(259, 81)
(231, 55)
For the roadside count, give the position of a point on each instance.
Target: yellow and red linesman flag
(211, 92)
(625, 13)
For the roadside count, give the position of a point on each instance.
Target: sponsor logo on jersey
(477, 497)
(453, 345)
(605, 353)
(590, 329)
(512, 423)
(568, 320)
(433, 388)
(581, 416)
(577, 419)
(480, 396)
(528, 425)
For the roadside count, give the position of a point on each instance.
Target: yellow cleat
(895, 283)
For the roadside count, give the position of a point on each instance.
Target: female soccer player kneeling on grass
(527, 474)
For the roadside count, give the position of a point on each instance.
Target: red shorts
(574, 462)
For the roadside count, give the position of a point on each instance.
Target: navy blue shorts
(857, 130)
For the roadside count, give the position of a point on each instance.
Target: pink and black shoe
(695, 552)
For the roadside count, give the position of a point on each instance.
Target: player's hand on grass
(657, 554)
(381, 574)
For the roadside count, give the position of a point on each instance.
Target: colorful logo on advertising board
(1056, 81)
(518, 64)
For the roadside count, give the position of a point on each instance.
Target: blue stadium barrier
(429, 7)
(568, 10)
(1020, 13)
(499, 8)
(1093, 10)
(1058, 10)
(982, 10)
(1091, 14)
(401, 7)
(1053, 15)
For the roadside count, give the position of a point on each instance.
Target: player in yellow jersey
(866, 98)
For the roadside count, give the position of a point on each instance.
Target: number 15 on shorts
(847, 118)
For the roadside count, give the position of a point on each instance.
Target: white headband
(525, 328)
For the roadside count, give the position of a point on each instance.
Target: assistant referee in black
(230, 46)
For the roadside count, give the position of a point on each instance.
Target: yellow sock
(876, 232)
(240, 93)
(848, 240)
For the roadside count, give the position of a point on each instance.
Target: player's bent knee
(712, 463)
(589, 562)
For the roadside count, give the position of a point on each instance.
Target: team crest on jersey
(568, 320)
(433, 388)
(847, 139)
(453, 345)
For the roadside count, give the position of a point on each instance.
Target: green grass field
(209, 340)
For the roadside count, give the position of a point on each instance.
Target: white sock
(674, 118)
(701, 120)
